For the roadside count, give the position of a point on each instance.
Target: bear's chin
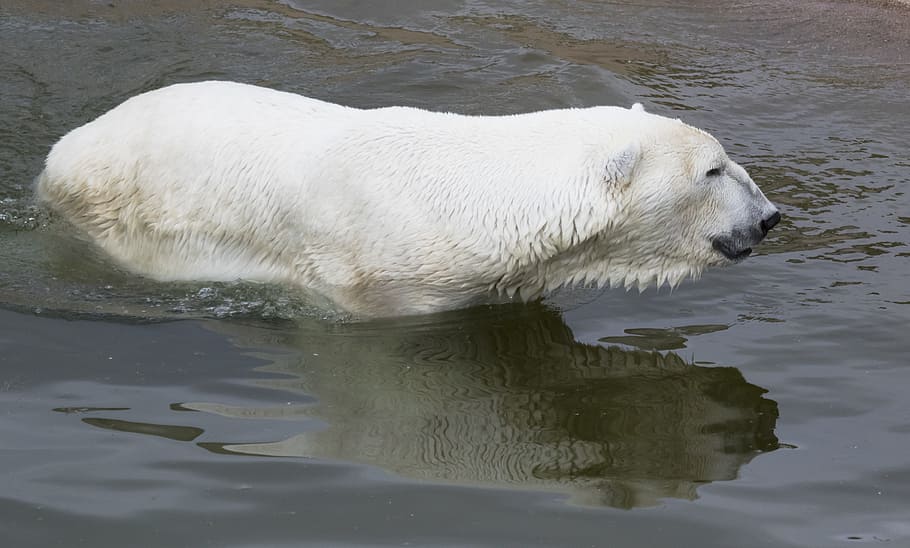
(729, 249)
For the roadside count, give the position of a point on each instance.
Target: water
(761, 406)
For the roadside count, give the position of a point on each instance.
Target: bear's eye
(714, 172)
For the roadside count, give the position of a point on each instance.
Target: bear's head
(680, 203)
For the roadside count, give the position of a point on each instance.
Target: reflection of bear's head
(509, 397)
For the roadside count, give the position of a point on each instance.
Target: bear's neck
(607, 257)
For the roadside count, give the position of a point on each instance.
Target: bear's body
(397, 210)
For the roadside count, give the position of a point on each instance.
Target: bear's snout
(737, 245)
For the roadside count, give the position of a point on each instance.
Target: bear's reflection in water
(509, 397)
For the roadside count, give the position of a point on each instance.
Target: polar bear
(398, 210)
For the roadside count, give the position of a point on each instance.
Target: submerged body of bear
(399, 210)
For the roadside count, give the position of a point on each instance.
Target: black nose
(769, 223)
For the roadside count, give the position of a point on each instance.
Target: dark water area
(763, 405)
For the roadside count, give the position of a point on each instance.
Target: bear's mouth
(728, 249)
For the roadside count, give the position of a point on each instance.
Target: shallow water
(763, 405)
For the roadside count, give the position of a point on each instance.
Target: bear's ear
(638, 107)
(621, 163)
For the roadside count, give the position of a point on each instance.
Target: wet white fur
(394, 210)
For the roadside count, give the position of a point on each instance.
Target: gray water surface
(763, 405)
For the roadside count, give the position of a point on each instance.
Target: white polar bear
(398, 210)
